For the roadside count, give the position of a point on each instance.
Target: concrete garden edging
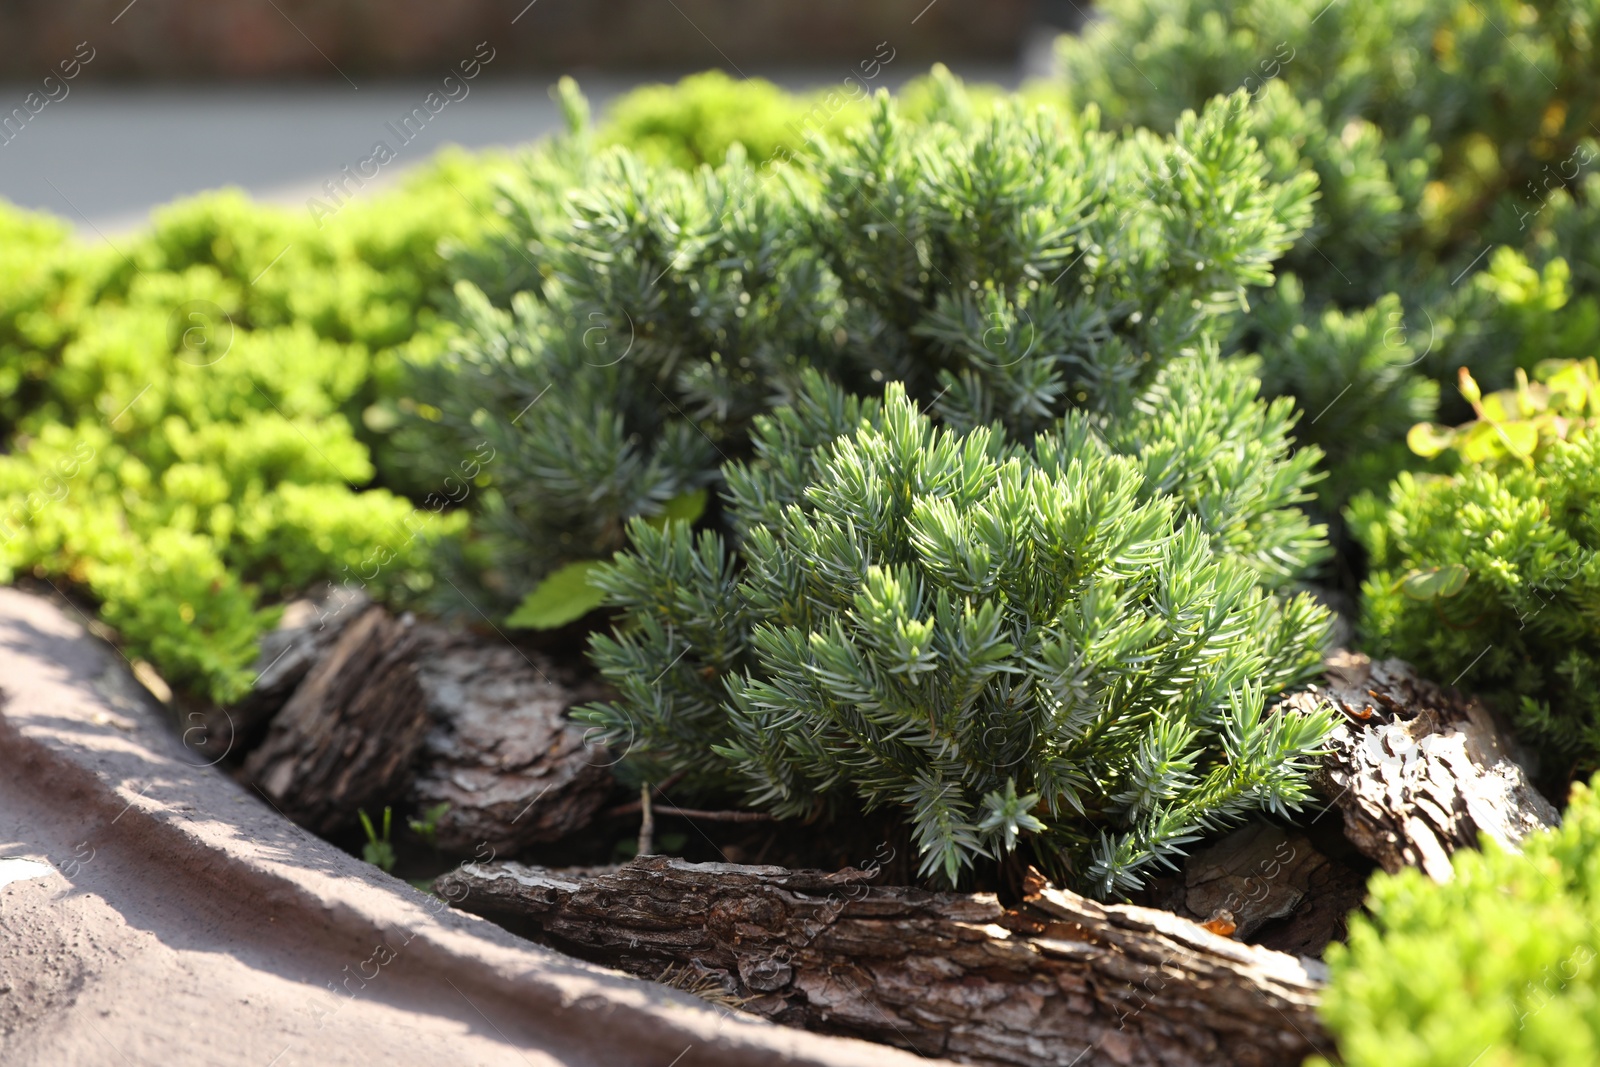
(182, 921)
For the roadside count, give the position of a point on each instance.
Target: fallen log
(1058, 980)
(347, 737)
(1418, 771)
(501, 752)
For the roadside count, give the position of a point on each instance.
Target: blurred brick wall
(245, 39)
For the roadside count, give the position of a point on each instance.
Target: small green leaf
(378, 851)
(380, 854)
(1481, 443)
(1435, 582)
(1428, 440)
(1520, 438)
(564, 595)
(686, 507)
(427, 827)
(1499, 407)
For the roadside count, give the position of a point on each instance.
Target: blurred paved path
(106, 154)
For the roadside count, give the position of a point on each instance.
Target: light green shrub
(1488, 576)
(1495, 968)
(182, 412)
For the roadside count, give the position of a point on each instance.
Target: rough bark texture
(305, 632)
(348, 736)
(1059, 980)
(1419, 771)
(501, 752)
(1273, 886)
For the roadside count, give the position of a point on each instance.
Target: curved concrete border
(182, 921)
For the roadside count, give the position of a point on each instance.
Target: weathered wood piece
(1059, 980)
(305, 632)
(501, 751)
(348, 736)
(1269, 885)
(1419, 771)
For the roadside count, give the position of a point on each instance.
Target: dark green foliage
(1446, 136)
(527, 204)
(1501, 89)
(1028, 271)
(995, 258)
(1497, 966)
(1057, 642)
(1201, 435)
(1365, 363)
(613, 397)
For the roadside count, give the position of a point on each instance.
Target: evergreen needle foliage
(1006, 262)
(1438, 130)
(1056, 642)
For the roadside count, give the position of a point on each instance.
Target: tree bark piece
(1059, 980)
(1419, 771)
(348, 736)
(305, 632)
(1272, 885)
(501, 751)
